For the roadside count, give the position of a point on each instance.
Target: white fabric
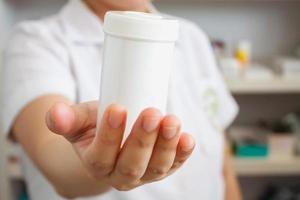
(63, 54)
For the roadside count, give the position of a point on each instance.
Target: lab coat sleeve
(227, 106)
(35, 64)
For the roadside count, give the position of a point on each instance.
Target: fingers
(137, 150)
(153, 150)
(185, 148)
(101, 155)
(72, 121)
(165, 149)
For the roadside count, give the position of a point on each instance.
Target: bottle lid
(141, 26)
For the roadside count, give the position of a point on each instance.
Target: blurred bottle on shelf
(293, 120)
(288, 67)
(249, 141)
(285, 138)
(297, 50)
(243, 52)
(219, 48)
(230, 67)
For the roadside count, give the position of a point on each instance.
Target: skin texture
(232, 189)
(60, 138)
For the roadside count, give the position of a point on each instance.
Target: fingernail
(189, 144)
(116, 117)
(151, 123)
(48, 120)
(169, 132)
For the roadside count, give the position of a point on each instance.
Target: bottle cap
(141, 26)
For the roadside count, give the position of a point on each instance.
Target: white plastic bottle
(138, 54)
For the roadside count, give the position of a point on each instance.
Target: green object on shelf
(24, 196)
(254, 150)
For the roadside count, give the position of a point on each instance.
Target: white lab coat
(62, 54)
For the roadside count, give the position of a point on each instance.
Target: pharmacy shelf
(275, 85)
(267, 166)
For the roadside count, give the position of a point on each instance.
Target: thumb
(72, 121)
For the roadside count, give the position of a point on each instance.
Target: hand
(154, 149)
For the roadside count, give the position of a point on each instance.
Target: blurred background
(257, 47)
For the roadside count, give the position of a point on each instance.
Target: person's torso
(191, 95)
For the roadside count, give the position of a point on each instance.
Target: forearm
(52, 154)
(232, 189)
